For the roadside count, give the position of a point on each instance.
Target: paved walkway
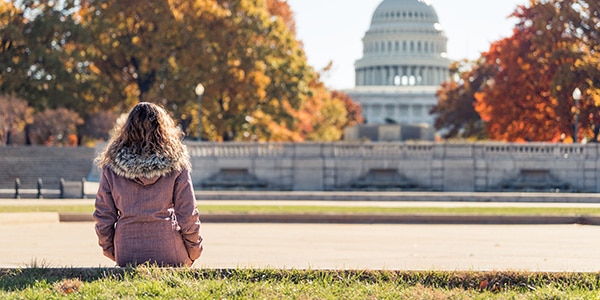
(40, 239)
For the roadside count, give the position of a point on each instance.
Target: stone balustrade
(431, 166)
(343, 166)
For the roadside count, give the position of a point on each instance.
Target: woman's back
(145, 205)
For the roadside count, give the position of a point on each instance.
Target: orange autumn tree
(528, 97)
(282, 10)
(354, 114)
(455, 113)
(93, 56)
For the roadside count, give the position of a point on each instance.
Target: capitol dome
(403, 65)
(404, 46)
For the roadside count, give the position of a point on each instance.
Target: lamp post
(199, 92)
(576, 97)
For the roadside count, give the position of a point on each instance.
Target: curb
(482, 197)
(375, 219)
(29, 217)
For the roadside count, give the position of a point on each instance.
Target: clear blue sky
(332, 30)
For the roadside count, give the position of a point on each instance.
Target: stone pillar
(386, 75)
(458, 167)
(308, 167)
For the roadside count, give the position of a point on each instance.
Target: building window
(403, 46)
(376, 110)
(397, 46)
(389, 110)
(418, 110)
(403, 110)
(412, 46)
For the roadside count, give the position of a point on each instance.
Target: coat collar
(150, 166)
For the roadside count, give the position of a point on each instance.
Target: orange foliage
(521, 101)
(282, 10)
(355, 115)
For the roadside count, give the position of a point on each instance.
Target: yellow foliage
(94, 69)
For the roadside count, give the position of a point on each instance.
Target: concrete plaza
(39, 238)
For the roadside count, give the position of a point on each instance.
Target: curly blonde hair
(148, 131)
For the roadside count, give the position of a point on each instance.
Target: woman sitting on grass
(145, 206)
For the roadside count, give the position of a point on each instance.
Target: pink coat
(144, 219)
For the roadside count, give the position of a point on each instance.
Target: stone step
(48, 163)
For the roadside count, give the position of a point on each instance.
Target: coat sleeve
(184, 202)
(106, 216)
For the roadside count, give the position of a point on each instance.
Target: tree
(354, 110)
(107, 55)
(55, 127)
(99, 125)
(582, 21)
(35, 51)
(242, 52)
(131, 53)
(528, 96)
(455, 113)
(282, 10)
(521, 88)
(15, 114)
(322, 116)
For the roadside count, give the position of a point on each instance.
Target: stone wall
(48, 163)
(429, 166)
(343, 166)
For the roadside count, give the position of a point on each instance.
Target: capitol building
(404, 62)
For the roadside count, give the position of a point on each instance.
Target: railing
(439, 166)
(532, 150)
(65, 190)
(391, 150)
(236, 149)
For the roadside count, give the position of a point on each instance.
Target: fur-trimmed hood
(149, 166)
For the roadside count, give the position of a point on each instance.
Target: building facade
(404, 62)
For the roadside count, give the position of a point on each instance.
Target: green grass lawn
(146, 282)
(303, 209)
